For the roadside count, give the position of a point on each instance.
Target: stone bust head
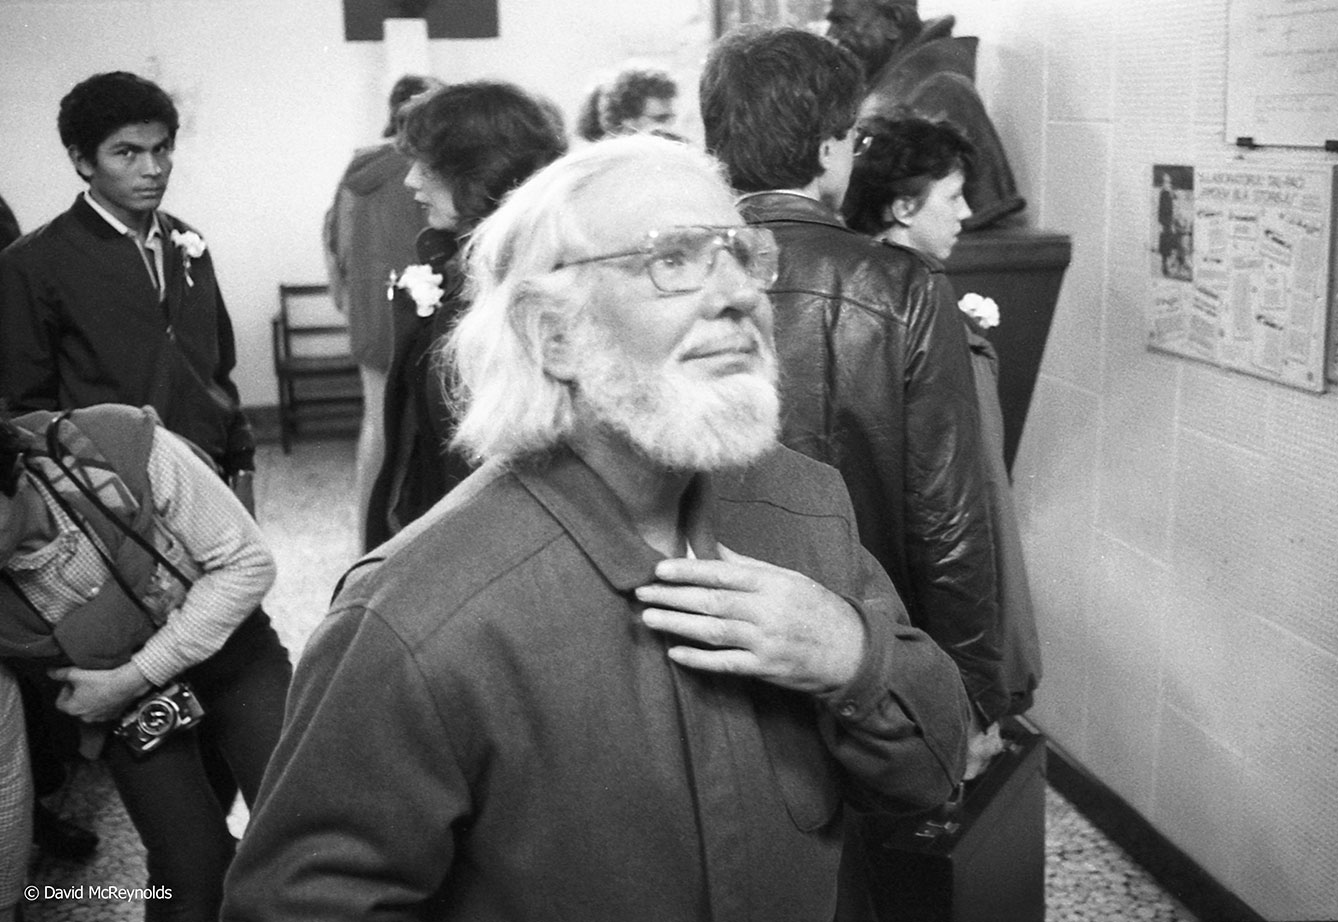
(873, 29)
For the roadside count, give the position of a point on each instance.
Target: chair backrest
(309, 323)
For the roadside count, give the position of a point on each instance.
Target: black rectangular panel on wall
(445, 18)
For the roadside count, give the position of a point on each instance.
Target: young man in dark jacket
(875, 372)
(115, 301)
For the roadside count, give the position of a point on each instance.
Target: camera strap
(56, 451)
(93, 539)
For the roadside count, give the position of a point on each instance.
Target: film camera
(157, 715)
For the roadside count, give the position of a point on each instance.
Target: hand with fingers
(748, 617)
(97, 695)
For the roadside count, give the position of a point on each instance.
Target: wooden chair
(317, 375)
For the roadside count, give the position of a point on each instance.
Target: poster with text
(1242, 260)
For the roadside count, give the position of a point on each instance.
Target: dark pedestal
(1021, 269)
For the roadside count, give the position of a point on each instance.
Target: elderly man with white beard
(637, 665)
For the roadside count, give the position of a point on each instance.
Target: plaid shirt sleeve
(226, 545)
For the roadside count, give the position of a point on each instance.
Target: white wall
(1181, 521)
(274, 101)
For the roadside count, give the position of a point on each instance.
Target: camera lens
(157, 717)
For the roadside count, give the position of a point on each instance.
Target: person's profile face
(657, 112)
(129, 171)
(435, 195)
(934, 227)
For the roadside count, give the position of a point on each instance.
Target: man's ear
(826, 151)
(900, 210)
(557, 349)
(81, 164)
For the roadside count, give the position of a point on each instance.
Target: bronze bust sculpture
(921, 66)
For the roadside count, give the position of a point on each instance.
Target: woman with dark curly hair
(471, 144)
(907, 183)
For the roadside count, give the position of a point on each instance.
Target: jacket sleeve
(950, 545)
(16, 792)
(334, 247)
(354, 819)
(241, 445)
(899, 727)
(28, 328)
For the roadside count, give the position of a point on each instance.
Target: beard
(673, 419)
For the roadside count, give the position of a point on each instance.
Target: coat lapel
(174, 272)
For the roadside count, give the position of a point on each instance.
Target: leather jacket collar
(762, 207)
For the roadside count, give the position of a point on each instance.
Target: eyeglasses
(681, 259)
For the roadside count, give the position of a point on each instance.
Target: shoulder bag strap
(56, 451)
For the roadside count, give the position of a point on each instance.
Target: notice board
(1242, 264)
(1282, 72)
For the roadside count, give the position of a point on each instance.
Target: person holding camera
(130, 580)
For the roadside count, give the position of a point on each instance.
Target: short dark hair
(902, 157)
(624, 97)
(104, 103)
(11, 455)
(405, 89)
(484, 138)
(770, 97)
(587, 120)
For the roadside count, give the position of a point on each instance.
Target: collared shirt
(150, 246)
(536, 754)
(201, 527)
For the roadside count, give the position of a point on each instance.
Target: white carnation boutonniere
(422, 284)
(192, 246)
(980, 309)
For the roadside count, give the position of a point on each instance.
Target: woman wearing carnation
(471, 144)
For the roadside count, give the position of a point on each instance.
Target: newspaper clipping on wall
(1241, 262)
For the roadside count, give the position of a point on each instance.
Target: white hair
(507, 406)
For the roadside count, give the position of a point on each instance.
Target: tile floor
(304, 509)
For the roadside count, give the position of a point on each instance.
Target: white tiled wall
(1181, 521)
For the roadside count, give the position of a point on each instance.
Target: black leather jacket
(876, 381)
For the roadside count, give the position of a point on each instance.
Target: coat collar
(763, 207)
(91, 221)
(590, 512)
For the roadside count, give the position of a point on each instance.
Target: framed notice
(1242, 262)
(1282, 72)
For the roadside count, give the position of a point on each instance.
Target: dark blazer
(419, 468)
(81, 324)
